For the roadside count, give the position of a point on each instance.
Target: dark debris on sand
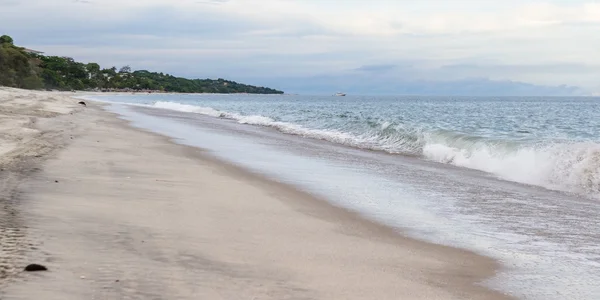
(35, 268)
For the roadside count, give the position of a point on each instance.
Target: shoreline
(320, 229)
(352, 222)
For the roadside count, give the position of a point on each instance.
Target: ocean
(514, 178)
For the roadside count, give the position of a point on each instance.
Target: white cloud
(364, 17)
(403, 17)
(297, 37)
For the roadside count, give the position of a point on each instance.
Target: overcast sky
(279, 42)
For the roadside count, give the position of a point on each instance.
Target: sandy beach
(118, 213)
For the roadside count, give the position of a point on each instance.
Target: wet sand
(118, 213)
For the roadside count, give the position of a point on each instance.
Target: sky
(324, 46)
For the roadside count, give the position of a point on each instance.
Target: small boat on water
(340, 94)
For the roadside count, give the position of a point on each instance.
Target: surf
(569, 166)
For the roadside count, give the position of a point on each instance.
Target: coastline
(120, 211)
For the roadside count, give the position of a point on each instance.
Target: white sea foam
(328, 135)
(188, 108)
(572, 167)
(544, 240)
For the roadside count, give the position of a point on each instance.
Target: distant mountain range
(377, 85)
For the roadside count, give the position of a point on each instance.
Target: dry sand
(32, 126)
(118, 213)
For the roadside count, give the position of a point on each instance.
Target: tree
(52, 80)
(125, 69)
(77, 84)
(15, 65)
(95, 76)
(109, 72)
(23, 70)
(5, 39)
(93, 69)
(32, 82)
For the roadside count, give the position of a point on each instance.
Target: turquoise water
(515, 179)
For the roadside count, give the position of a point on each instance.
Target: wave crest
(572, 167)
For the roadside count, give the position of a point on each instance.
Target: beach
(116, 212)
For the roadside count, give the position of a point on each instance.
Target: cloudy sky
(366, 46)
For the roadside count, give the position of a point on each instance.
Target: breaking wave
(567, 166)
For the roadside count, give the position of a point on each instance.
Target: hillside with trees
(28, 69)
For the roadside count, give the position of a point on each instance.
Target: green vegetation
(25, 69)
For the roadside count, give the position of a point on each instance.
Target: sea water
(517, 179)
